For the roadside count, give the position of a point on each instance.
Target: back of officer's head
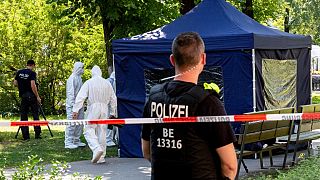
(187, 48)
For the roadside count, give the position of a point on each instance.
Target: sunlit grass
(315, 98)
(14, 151)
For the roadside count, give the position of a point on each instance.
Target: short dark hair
(186, 48)
(30, 62)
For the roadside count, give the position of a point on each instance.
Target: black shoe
(25, 139)
(38, 137)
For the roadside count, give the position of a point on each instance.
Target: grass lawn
(14, 151)
(316, 98)
(306, 169)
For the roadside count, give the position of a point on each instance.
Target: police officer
(185, 150)
(26, 81)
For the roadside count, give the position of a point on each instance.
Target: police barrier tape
(227, 118)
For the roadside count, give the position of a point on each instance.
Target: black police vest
(169, 142)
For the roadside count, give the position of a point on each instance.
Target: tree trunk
(107, 32)
(286, 21)
(107, 38)
(186, 6)
(248, 8)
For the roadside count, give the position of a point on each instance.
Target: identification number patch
(167, 140)
(169, 143)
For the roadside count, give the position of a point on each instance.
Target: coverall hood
(78, 68)
(96, 71)
(112, 76)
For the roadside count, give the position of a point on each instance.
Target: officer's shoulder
(157, 88)
(20, 70)
(211, 88)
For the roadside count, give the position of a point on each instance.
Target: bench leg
(294, 154)
(261, 159)
(239, 165)
(241, 161)
(309, 148)
(270, 156)
(245, 166)
(285, 156)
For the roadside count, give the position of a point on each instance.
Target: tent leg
(254, 80)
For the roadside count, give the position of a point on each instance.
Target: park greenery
(307, 169)
(14, 151)
(34, 169)
(56, 33)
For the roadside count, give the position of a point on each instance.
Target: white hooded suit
(112, 135)
(74, 83)
(101, 103)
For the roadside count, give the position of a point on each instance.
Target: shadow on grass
(14, 151)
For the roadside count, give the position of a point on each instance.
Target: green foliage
(33, 169)
(304, 15)
(34, 29)
(29, 169)
(56, 33)
(2, 176)
(305, 18)
(122, 18)
(315, 99)
(57, 169)
(264, 10)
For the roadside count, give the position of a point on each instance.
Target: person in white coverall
(112, 132)
(73, 132)
(101, 103)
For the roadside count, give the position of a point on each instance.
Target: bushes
(33, 169)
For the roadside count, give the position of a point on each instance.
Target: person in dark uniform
(187, 150)
(26, 81)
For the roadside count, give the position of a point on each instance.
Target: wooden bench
(252, 132)
(308, 130)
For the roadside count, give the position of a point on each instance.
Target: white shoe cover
(96, 156)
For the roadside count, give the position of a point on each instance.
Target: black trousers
(29, 101)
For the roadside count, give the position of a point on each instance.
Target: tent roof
(221, 26)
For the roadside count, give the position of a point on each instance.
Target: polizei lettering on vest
(168, 110)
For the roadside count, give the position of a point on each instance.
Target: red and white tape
(228, 118)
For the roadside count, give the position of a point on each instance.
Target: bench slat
(283, 124)
(283, 131)
(316, 124)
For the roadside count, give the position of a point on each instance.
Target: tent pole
(254, 80)
(113, 68)
(311, 73)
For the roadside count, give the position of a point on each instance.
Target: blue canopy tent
(234, 42)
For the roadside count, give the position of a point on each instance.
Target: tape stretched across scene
(227, 118)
